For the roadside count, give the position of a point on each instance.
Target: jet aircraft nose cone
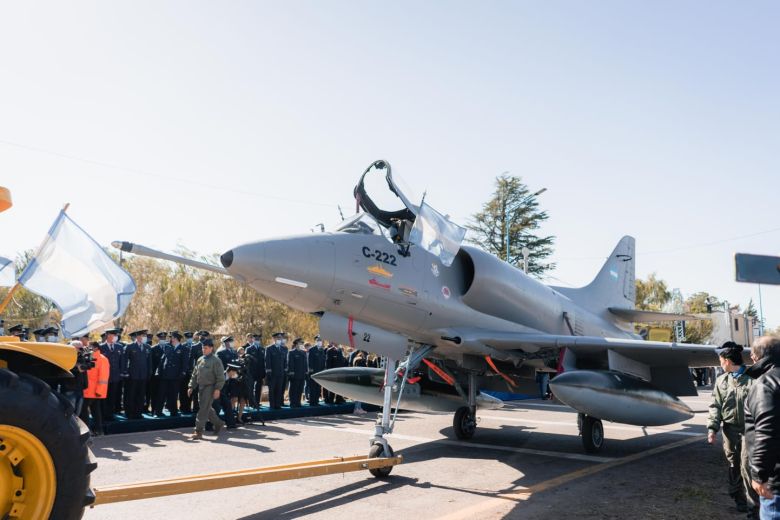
(297, 271)
(227, 259)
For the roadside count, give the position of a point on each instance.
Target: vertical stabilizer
(614, 286)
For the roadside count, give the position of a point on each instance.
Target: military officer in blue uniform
(137, 368)
(334, 358)
(169, 374)
(227, 352)
(275, 369)
(152, 403)
(297, 367)
(185, 402)
(114, 353)
(196, 351)
(256, 351)
(316, 362)
(228, 356)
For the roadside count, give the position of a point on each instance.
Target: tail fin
(614, 286)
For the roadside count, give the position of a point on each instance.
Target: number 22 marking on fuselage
(379, 256)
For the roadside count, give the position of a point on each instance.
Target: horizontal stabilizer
(634, 315)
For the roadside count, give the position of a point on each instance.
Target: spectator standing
(762, 425)
(727, 413)
(96, 391)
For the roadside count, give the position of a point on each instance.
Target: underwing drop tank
(365, 385)
(618, 397)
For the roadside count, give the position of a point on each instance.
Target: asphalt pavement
(526, 460)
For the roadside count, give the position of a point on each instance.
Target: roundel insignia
(445, 291)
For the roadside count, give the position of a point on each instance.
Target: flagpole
(8, 297)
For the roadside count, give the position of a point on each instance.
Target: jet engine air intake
(496, 288)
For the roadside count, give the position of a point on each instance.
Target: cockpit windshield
(361, 224)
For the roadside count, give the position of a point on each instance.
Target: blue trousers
(770, 508)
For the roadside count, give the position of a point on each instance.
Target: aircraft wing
(651, 353)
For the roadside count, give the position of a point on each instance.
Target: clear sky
(213, 124)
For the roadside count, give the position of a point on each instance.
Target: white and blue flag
(436, 234)
(7, 272)
(85, 283)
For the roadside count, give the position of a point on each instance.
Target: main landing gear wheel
(376, 451)
(592, 431)
(464, 423)
(44, 459)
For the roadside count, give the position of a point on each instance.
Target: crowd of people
(144, 377)
(745, 410)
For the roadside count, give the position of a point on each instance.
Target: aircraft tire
(592, 434)
(464, 424)
(56, 461)
(377, 450)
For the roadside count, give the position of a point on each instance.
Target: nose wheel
(464, 423)
(592, 432)
(379, 450)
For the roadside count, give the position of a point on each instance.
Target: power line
(683, 248)
(160, 176)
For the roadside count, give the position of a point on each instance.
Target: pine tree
(514, 206)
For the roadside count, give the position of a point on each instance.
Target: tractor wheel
(45, 462)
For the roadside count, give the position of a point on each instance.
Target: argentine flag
(73, 271)
(436, 234)
(7, 272)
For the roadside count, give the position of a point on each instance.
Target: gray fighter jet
(478, 324)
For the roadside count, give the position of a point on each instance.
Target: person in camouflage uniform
(727, 413)
(208, 378)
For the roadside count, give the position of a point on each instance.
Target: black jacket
(762, 422)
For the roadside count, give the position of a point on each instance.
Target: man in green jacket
(208, 378)
(728, 410)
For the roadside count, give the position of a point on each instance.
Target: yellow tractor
(45, 460)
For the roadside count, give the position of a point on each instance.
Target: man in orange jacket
(96, 391)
